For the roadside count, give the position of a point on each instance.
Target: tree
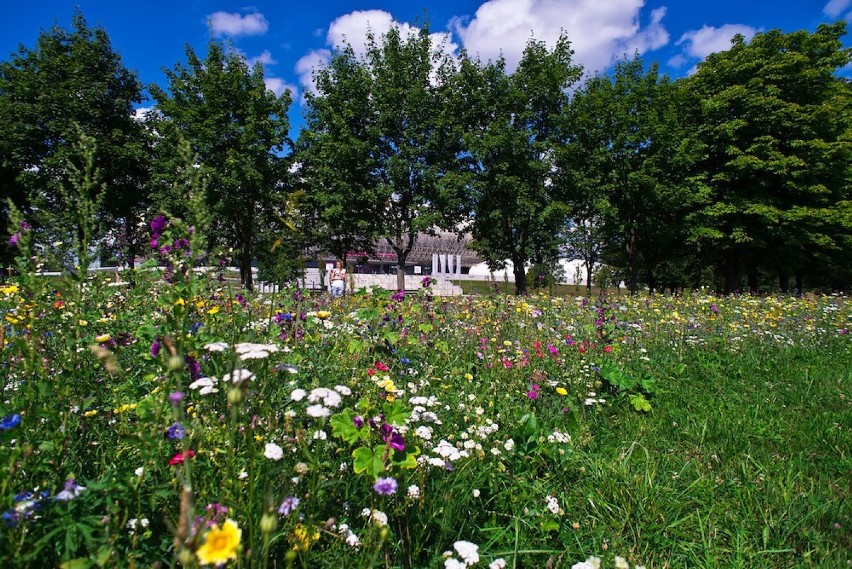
(72, 83)
(337, 160)
(511, 129)
(238, 129)
(624, 163)
(773, 123)
(381, 156)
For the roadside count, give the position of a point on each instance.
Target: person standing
(337, 276)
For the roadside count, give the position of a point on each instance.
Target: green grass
(744, 462)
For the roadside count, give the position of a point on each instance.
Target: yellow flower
(304, 537)
(9, 289)
(83, 323)
(468, 377)
(323, 314)
(214, 310)
(220, 544)
(180, 302)
(102, 338)
(91, 413)
(199, 304)
(561, 391)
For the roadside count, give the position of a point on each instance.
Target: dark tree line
(735, 177)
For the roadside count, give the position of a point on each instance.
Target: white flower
(621, 563)
(207, 390)
(216, 347)
(255, 355)
(317, 411)
(498, 563)
(237, 376)
(242, 475)
(320, 435)
(298, 394)
(414, 491)
(467, 551)
(343, 390)
(329, 397)
(139, 471)
(453, 563)
(590, 563)
(423, 432)
(509, 445)
(273, 451)
(552, 505)
(203, 382)
(476, 492)
(144, 522)
(248, 347)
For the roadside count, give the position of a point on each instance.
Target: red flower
(371, 372)
(381, 366)
(180, 457)
(607, 349)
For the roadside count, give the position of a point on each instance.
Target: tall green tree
(238, 129)
(773, 123)
(338, 161)
(512, 125)
(625, 165)
(381, 157)
(71, 82)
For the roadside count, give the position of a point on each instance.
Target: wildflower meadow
(162, 417)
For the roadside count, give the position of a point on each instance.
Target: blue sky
(289, 38)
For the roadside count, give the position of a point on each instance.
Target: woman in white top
(338, 279)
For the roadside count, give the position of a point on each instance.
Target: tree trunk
(589, 278)
(520, 278)
(245, 269)
(752, 282)
(731, 271)
(652, 283)
(400, 270)
(633, 270)
(800, 287)
(783, 280)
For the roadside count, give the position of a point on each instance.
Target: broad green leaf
(366, 460)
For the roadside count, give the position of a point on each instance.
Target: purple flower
(154, 243)
(288, 506)
(155, 348)
(358, 421)
(392, 438)
(176, 431)
(175, 397)
(385, 486)
(71, 490)
(9, 422)
(193, 366)
(13, 240)
(158, 224)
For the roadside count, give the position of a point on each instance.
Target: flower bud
(235, 395)
(268, 523)
(186, 557)
(176, 363)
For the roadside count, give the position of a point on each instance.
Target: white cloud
(141, 113)
(836, 7)
(228, 24)
(264, 58)
(307, 64)
(707, 40)
(600, 31)
(278, 86)
(352, 29)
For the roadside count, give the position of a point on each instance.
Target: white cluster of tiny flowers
(377, 517)
(559, 437)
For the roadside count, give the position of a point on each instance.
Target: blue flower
(385, 486)
(176, 431)
(9, 422)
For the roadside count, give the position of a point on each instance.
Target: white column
(458, 265)
(434, 263)
(450, 264)
(442, 264)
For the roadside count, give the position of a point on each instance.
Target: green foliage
(71, 82)
(237, 129)
(510, 127)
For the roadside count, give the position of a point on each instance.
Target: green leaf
(640, 403)
(355, 346)
(366, 460)
(407, 458)
(425, 327)
(343, 427)
(396, 413)
(79, 563)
